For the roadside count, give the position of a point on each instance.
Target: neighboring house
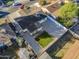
(4, 40)
(6, 34)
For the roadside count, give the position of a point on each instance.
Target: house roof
(29, 21)
(76, 28)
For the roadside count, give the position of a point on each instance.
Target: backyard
(59, 54)
(44, 39)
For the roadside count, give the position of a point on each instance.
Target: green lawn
(44, 39)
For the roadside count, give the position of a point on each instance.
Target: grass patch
(44, 39)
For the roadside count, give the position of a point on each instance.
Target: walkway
(73, 52)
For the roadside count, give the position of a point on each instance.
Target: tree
(67, 12)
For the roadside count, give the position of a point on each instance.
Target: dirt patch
(73, 52)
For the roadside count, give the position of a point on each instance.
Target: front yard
(44, 39)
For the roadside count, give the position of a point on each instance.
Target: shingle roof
(29, 21)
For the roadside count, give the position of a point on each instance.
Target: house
(6, 34)
(31, 26)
